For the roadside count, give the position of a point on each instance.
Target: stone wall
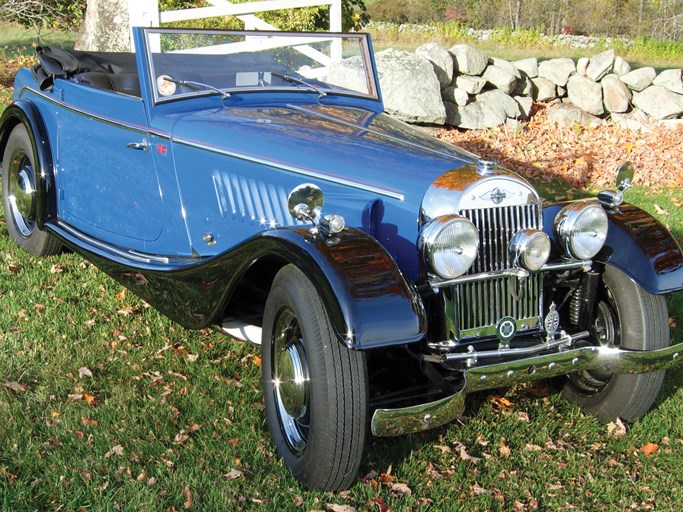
(463, 87)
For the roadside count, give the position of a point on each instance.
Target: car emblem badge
(497, 196)
(506, 329)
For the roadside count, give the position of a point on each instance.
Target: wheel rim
(21, 193)
(605, 333)
(291, 381)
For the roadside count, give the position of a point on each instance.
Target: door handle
(140, 146)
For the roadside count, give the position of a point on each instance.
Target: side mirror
(611, 200)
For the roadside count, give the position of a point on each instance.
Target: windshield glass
(192, 62)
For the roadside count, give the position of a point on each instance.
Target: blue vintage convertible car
(251, 181)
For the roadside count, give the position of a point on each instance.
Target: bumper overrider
(392, 422)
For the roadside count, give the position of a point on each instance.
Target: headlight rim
(565, 227)
(428, 238)
(519, 246)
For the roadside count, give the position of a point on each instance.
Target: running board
(241, 330)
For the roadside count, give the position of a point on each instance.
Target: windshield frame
(364, 47)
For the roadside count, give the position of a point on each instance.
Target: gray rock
(498, 100)
(525, 104)
(451, 112)
(470, 84)
(557, 71)
(621, 67)
(500, 78)
(658, 102)
(477, 115)
(349, 73)
(616, 96)
(528, 66)
(670, 79)
(600, 65)
(524, 86)
(566, 114)
(639, 79)
(582, 66)
(441, 59)
(410, 89)
(514, 125)
(468, 60)
(455, 95)
(585, 94)
(543, 89)
(635, 120)
(506, 65)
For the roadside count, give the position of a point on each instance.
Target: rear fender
(25, 112)
(640, 246)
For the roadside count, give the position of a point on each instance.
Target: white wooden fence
(145, 13)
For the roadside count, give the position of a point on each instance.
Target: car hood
(366, 149)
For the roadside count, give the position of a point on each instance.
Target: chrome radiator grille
(482, 304)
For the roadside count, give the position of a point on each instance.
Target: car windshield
(190, 62)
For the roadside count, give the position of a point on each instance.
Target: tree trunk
(105, 27)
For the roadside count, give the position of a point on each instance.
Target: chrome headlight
(581, 228)
(449, 245)
(530, 249)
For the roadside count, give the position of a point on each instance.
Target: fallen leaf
(116, 450)
(504, 449)
(88, 421)
(340, 508)
(84, 372)
(78, 434)
(616, 428)
(649, 448)
(121, 295)
(89, 399)
(660, 210)
(191, 358)
(188, 498)
(16, 387)
(400, 490)
(501, 401)
(478, 491)
(383, 507)
(443, 448)
(233, 474)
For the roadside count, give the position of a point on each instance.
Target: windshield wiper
(200, 85)
(299, 81)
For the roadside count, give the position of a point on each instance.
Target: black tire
(625, 316)
(315, 389)
(19, 196)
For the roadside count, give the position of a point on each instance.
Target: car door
(106, 177)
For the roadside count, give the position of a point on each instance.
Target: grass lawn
(107, 405)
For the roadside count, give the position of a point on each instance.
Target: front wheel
(625, 316)
(315, 389)
(19, 196)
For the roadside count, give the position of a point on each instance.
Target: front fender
(25, 112)
(640, 246)
(369, 302)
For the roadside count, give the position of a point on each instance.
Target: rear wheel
(19, 196)
(626, 316)
(315, 389)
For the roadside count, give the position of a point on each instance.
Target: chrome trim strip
(97, 117)
(482, 276)
(474, 356)
(284, 167)
(392, 422)
(240, 330)
(132, 255)
(584, 265)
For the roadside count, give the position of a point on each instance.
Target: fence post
(336, 16)
(142, 13)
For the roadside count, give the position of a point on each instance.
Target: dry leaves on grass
(578, 155)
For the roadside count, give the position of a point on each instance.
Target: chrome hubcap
(21, 193)
(291, 381)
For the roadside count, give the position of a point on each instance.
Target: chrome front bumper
(392, 422)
